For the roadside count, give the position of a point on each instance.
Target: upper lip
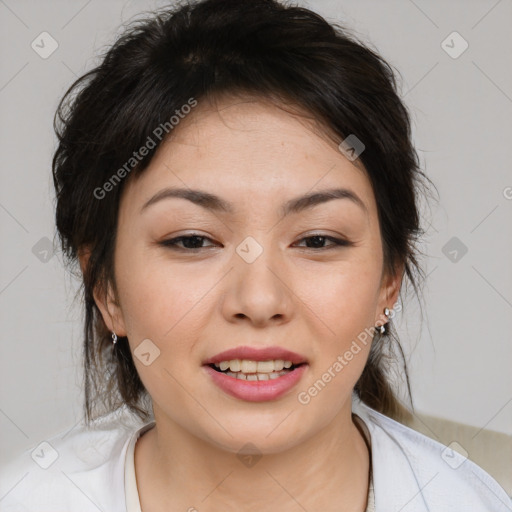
(257, 354)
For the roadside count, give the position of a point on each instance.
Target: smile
(247, 369)
(255, 381)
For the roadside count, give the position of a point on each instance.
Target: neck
(177, 470)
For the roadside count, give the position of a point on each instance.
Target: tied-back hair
(265, 49)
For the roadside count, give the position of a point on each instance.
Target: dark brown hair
(202, 50)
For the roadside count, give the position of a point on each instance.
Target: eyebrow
(216, 203)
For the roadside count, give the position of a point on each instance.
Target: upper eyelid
(199, 235)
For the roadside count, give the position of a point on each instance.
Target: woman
(238, 184)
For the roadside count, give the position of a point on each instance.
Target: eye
(319, 240)
(190, 242)
(194, 242)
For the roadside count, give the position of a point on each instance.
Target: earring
(382, 328)
(114, 337)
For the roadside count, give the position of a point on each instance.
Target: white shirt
(130, 478)
(86, 471)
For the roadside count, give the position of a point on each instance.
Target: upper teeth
(248, 366)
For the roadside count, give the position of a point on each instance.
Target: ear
(389, 292)
(105, 299)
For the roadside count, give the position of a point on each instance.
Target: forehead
(240, 149)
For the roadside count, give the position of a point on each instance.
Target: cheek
(343, 304)
(171, 306)
(342, 300)
(163, 302)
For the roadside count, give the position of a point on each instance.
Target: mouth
(256, 375)
(255, 370)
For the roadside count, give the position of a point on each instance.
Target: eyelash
(172, 243)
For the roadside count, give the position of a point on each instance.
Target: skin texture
(193, 305)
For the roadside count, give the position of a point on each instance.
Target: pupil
(191, 240)
(317, 238)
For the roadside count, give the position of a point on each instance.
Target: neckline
(367, 438)
(131, 493)
(131, 490)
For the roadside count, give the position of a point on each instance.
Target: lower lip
(256, 390)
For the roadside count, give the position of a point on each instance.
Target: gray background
(459, 356)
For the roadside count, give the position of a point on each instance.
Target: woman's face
(252, 277)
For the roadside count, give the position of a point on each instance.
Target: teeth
(266, 366)
(257, 376)
(247, 366)
(279, 364)
(234, 365)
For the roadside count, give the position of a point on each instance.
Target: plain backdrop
(461, 105)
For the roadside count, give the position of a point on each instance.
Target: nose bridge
(255, 257)
(258, 286)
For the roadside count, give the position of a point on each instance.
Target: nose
(259, 292)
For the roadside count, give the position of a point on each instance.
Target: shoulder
(78, 469)
(413, 472)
